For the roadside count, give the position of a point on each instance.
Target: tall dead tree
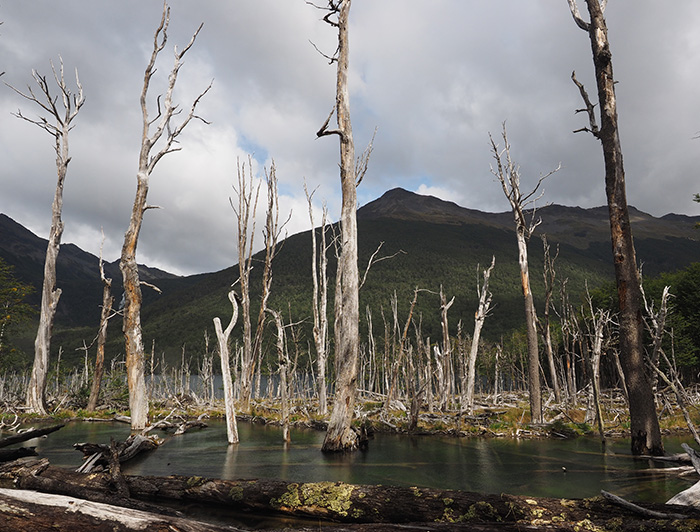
(222, 336)
(482, 311)
(508, 174)
(319, 277)
(340, 436)
(105, 315)
(58, 124)
(549, 274)
(245, 210)
(644, 423)
(160, 128)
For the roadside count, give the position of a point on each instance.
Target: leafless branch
(363, 161)
(585, 26)
(374, 260)
(589, 109)
(324, 131)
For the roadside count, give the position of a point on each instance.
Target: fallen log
(28, 435)
(7, 455)
(30, 511)
(348, 503)
(97, 455)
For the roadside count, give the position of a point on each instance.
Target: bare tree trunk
(222, 336)
(50, 294)
(508, 175)
(105, 315)
(284, 363)
(442, 359)
(549, 275)
(484, 306)
(138, 400)
(340, 436)
(319, 276)
(644, 423)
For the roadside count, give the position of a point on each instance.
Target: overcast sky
(433, 76)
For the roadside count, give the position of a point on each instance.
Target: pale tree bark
(319, 304)
(58, 124)
(549, 274)
(599, 321)
(222, 336)
(105, 315)
(644, 422)
(245, 210)
(482, 311)
(284, 364)
(340, 436)
(160, 128)
(443, 358)
(508, 174)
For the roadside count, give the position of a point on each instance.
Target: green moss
(193, 482)
(236, 493)
(334, 497)
(416, 491)
(481, 510)
(447, 501)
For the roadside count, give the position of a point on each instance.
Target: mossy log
(374, 507)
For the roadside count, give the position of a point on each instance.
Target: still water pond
(524, 467)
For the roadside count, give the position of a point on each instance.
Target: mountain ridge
(443, 245)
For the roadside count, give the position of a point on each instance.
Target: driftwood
(98, 456)
(30, 511)
(375, 505)
(28, 435)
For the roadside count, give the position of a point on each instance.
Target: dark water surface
(523, 467)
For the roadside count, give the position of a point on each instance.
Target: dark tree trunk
(644, 423)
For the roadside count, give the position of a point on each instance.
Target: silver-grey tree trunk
(340, 436)
(508, 174)
(50, 293)
(138, 400)
(222, 336)
(105, 314)
(319, 303)
(482, 311)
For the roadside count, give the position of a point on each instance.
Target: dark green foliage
(15, 312)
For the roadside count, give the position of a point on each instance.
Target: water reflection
(554, 468)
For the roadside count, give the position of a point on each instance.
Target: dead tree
(319, 277)
(549, 275)
(222, 336)
(160, 128)
(443, 359)
(105, 315)
(482, 311)
(340, 436)
(644, 423)
(284, 365)
(508, 174)
(62, 116)
(599, 321)
(245, 217)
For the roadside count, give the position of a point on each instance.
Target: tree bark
(482, 311)
(222, 336)
(350, 503)
(340, 436)
(107, 301)
(28, 435)
(319, 277)
(135, 364)
(644, 423)
(549, 274)
(50, 293)
(508, 175)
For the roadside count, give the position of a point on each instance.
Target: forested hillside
(436, 243)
